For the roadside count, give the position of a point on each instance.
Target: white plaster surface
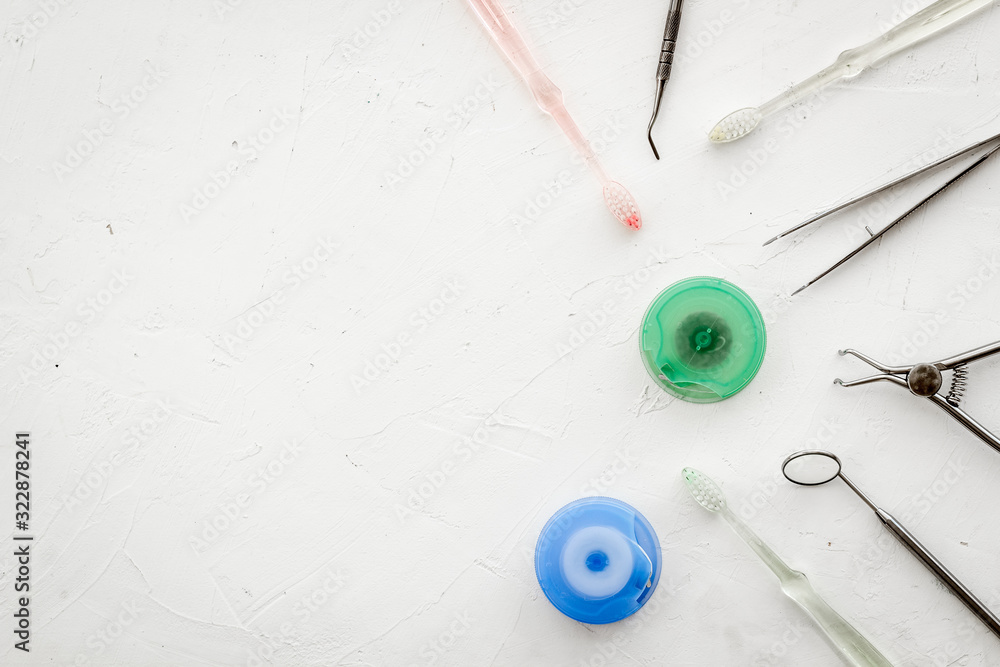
(210, 488)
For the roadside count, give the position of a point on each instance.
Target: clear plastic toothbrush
(550, 99)
(851, 645)
(852, 62)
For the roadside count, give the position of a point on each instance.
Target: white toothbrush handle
(804, 89)
(852, 62)
(852, 646)
(923, 24)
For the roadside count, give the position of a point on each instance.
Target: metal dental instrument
(882, 188)
(926, 380)
(875, 236)
(550, 100)
(851, 645)
(852, 62)
(666, 63)
(815, 467)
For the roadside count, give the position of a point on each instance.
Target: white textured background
(210, 487)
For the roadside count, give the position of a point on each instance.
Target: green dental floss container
(702, 339)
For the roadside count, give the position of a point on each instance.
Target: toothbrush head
(736, 125)
(704, 490)
(622, 205)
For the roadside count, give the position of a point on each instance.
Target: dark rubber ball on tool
(924, 380)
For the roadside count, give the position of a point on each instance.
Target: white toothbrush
(852, 646)
(852, 62)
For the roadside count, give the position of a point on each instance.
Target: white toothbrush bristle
(704, 490)
(735, 125)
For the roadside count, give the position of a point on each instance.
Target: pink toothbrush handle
(547, 95)
(550, 99)
(503, 32)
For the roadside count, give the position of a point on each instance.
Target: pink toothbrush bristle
(622, 205)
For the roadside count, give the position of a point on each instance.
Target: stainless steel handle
(971, 355)
(942, 573)
(966, 420)
(669, 43)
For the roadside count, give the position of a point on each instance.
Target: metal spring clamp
(926, 380)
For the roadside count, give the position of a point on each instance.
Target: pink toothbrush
(550, 99)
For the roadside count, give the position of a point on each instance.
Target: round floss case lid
(597, 560)
(702, 339)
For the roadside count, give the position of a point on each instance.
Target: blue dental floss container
(598, 560)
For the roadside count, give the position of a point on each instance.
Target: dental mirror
(814, 467)
(811, 468)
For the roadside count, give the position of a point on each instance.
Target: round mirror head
(811, 467)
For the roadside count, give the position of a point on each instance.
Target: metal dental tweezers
(925, 380)
(875, 236)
